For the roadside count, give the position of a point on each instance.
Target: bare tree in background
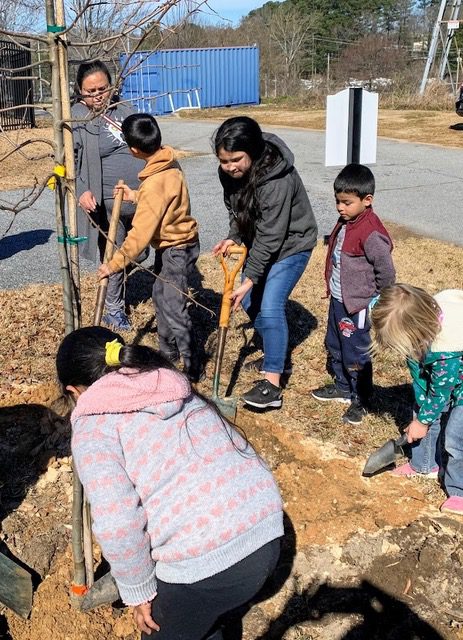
(288, 29)
(18, 15)
(281, 34)
(92, 22)
(375, 61)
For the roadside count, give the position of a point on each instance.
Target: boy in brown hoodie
(163, 220)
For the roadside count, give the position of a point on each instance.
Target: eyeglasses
(94, 93)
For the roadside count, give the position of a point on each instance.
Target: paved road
(419, 186)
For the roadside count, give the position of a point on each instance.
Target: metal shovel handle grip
(401, 441)
(230, 276)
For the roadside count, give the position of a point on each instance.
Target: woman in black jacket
(271, 214)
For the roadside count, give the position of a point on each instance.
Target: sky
(230, 10)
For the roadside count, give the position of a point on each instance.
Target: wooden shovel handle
(108, 254)
(230, 276)
(115, 214)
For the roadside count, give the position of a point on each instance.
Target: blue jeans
(426, 453)
(347, 341)
(265, 305)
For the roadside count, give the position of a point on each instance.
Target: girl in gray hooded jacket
(270, 213)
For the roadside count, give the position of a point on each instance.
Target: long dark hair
(81, 357)
(87, 69)
(244, 134)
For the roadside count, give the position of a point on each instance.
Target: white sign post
(351, 127)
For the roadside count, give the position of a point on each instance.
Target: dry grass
(21, 170)
(27, 356)
(430, 127)
(31, 163)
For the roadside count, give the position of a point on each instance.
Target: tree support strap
(68, 239)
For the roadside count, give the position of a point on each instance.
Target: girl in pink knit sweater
(186, 513)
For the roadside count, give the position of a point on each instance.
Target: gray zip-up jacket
(86, 133)
(286, 224)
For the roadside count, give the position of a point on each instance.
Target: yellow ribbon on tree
(112, 350)
(59, 171)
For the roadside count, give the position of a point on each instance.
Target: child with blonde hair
(428, 331)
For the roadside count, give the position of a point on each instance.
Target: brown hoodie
(163, 217)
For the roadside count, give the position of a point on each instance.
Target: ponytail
(83, 356)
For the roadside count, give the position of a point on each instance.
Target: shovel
(15, 587)
(85, 594)
(108, 254)
(385, 455)
(227, 407)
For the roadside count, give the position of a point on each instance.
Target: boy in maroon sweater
(358, 266)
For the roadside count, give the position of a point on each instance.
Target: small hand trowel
(385, 455)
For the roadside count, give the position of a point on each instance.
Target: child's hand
(143, 618)
(104, 271)
(416, 430)
(129, 194)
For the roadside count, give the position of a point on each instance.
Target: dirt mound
(362, 558)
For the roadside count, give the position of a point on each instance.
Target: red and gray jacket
(366, 263)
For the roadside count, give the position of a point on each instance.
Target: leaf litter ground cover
(362, 558)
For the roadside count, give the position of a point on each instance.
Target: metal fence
(16, 89)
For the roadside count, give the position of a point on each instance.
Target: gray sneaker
(330, 393)
(117, 320)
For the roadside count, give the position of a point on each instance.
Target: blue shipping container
(167, 80)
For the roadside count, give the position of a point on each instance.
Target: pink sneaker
(407, 471)
(453, 504)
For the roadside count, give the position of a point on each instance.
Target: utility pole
(447, 22)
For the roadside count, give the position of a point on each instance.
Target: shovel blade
(384, 456)
(15, 587)
(103, 591)
(227, 407)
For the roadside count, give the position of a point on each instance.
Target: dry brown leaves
(31, 325)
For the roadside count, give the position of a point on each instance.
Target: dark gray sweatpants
(175, 330)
